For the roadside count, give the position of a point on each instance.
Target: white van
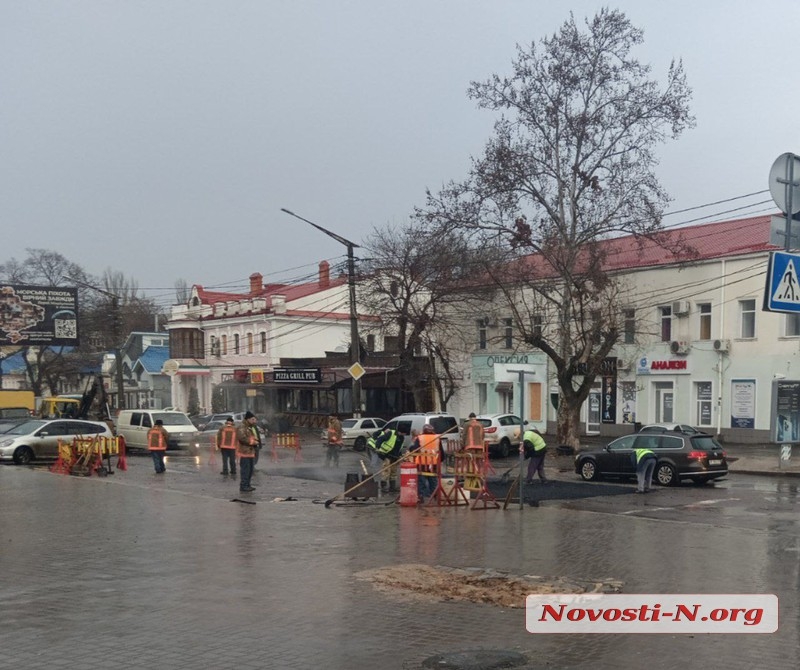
(443, 424)
(133, 424)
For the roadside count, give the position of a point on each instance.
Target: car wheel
(588, 470)
(23, 455)
(504, 448)
(360, 444)
(666, 475)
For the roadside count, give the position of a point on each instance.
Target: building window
(482, 333)
(792, 325)
(236, 343)
(704, 401)
(482, 398)
(666, 323)
(537, 322)
(747, 313)
(224, 339)
(705, 320)
(263, 342)
(249, 343)
(186, 343)
(629, 325)
(508, 335)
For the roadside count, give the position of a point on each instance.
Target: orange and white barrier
(286, 441)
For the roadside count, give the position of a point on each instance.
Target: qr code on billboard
(66, 328)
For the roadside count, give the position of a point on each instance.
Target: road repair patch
(478, 585)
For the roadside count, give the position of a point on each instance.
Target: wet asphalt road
(145, 571)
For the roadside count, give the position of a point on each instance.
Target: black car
(695, 456)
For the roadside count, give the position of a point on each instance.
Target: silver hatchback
(38, 438)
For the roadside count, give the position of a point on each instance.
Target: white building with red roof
(219, 337)
(696, 348)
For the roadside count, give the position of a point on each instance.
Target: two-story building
(696, 346)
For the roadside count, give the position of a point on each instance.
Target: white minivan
(133, 424)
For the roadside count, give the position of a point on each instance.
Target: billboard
(785, 415)
(38, 315)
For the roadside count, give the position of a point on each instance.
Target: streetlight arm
(338, 238)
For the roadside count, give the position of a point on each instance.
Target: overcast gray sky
(162, 137)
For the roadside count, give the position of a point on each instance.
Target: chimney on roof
(324, 274)
(256, 283)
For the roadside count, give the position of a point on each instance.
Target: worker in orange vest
(428, 457)
(157, 440)
(226, 444)
(247, 451)
(334, 434)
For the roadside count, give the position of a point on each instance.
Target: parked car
(694, 456)
(133, 424)
(200, 420)
(38, 438)
(356, 432)
(501, 432)
(669, 428)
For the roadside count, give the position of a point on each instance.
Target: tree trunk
(568, 422)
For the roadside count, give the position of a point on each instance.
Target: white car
(38, 438)
(502, 432)
(356, 432)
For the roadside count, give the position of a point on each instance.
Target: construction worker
(257, 435)
(533, 445)
(226, 445)
(387, 447)
(334, 441)
(157, 441)
(645, 460)
(474, 434)
(247, 451)
(428, 458)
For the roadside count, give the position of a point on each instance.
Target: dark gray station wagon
(697, 457)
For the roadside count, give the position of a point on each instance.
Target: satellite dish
(784, 170)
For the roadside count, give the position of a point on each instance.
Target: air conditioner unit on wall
(680, 348)
(722, 345)
(622, 364)
(680, 307)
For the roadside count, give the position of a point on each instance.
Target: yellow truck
(16, 404)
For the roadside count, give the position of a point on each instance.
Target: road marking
(685, 506)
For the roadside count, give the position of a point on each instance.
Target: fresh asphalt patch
(556, 490)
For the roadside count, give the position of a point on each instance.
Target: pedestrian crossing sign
(782, 293)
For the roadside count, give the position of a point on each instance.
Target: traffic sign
(783, 184)
(356, 370)
(782, 292)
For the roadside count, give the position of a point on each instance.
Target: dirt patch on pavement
(441, 583)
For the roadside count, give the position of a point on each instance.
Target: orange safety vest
(155, 440)
(228, 438)
(473, 436)
(428, 457)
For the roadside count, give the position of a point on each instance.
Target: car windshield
(26, 428)
(349, 423)
(172, 419)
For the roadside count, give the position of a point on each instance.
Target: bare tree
(415, 282)
(570, 163)
(182, 291)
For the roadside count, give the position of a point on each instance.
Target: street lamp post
(355, 343)
(115, 334)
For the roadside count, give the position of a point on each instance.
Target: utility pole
(355, 343)
(115, 334)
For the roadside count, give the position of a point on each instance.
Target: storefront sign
(743, 403)
(297, 375)
(609, 410)
(502, 360)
